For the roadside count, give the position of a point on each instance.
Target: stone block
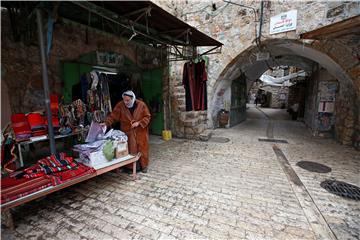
(182, 108)
(179, 89)
(191, 122)
(199, 129)
(192, 115)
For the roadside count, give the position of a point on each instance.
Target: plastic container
(166, 134)
(223, 118)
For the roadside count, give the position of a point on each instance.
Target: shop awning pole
(45, 81)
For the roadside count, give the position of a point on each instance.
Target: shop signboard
(109, 59)
(283, 22)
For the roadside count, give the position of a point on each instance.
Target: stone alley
(208, 190)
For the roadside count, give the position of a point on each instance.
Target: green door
(151, 88)
(238, 101)
(72, 72)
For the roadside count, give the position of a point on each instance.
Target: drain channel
(219, 139)
(272, 140)
(342, 189)
(313, 167)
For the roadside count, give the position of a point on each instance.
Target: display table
(116, 163)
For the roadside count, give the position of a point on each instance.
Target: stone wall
(346, 122)
(21, 65)
(279, 96)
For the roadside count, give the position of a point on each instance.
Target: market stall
(84, 104)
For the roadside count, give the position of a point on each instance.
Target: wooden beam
(348, 26)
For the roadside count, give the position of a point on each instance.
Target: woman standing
(134, 118)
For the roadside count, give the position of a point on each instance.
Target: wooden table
(5, 208)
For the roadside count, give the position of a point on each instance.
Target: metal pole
(45, 81)
(261, 21)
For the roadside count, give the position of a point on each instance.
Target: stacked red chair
(20, 126)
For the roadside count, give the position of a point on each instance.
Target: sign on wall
(283, 22)
(109, 59)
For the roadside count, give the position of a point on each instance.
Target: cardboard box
(121, 150)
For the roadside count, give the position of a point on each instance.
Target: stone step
(192, 122)
(205, 135)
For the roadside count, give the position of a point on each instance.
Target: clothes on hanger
(194, 81)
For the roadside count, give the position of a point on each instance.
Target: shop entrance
(122, 74)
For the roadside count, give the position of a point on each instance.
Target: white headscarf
(133, 98)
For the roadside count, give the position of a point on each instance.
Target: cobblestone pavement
(204, 190)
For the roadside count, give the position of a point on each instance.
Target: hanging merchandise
(194, 81)
(8, 156)
(79, 111)
(189, 82)
(98, 95)
(201, 91)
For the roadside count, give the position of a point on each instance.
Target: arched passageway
(291, 53)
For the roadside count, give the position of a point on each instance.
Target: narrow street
(236, 189)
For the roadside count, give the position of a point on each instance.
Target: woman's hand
(135, 124)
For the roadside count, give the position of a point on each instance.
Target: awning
(141, 21)
(350, 26)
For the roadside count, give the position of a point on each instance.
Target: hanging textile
(194, 81)
(189, 84)
(201, 91)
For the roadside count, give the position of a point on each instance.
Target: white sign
(327, 107)
(283, 22)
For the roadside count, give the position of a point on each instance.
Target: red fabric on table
(8, 198)
(7, 182)
(80, 171)
(23, 188)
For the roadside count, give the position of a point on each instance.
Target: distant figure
(258, 98)
(252, 98)
(293, 110)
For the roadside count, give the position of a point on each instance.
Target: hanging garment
(84, 83)
(105, 93)
(201, 91)
(189, 84)
(80, 111)
(8, 156)
(138, 138)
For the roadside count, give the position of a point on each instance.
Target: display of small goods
(101, 150)
(82, 117)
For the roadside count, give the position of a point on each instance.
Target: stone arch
(283, 52)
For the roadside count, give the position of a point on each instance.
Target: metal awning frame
(178, 45)
(177, 52)
(181, 53)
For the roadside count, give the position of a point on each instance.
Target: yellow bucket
(166, 134)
